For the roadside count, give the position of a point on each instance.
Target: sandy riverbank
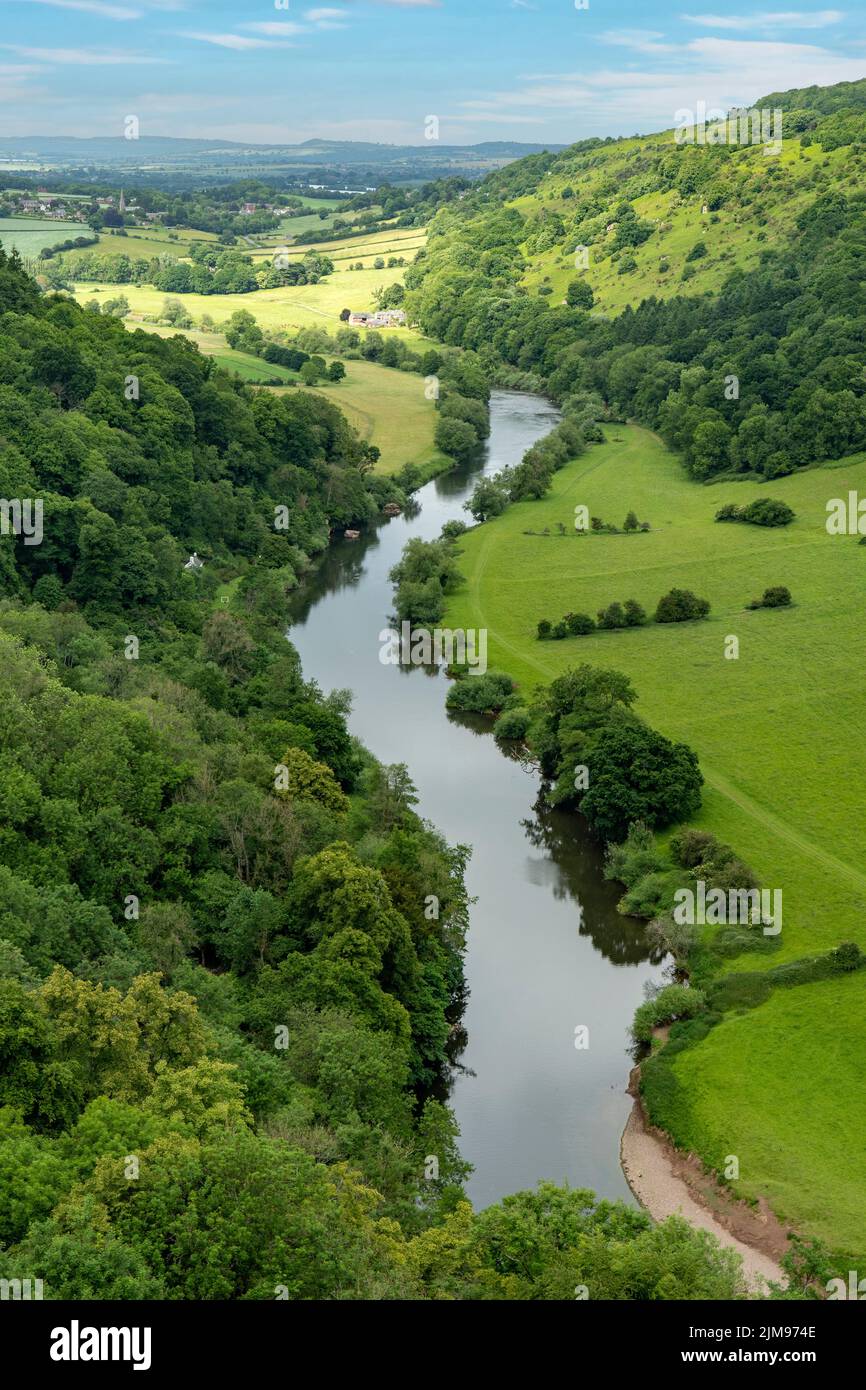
(667, 1182)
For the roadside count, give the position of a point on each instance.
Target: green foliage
(671, 1003)
(475, 694)
(681, 606)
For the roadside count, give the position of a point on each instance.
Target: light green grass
(783, 1088)
(28, 235)
(781, 187)
(292, 306)
(779, 734)
(388, 408)
(143, 243)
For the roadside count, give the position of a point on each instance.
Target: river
(547, 953)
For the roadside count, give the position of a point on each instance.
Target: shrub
(637, 856)
(764, 511)
(635, 616)
(544, 630)
(671, 1003)
(612, 617)
(579, 624)
(513, 724)
(681, 606)
(691, 847)
(480, 694)
(848, 956)
(776, 597)
(677, 939)
(768, 511)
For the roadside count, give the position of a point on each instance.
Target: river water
(547, 953)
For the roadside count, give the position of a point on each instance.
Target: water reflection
(547, 949)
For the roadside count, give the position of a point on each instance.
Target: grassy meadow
(778, 731)
(291, 306)
(779, 734)
(388, 408)
(28, 235)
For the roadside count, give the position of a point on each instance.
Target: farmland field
(388, 408)
(778, 733)
(292, 306)
(28, 235)
(778, 741)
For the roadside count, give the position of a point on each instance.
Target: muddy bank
(667, 1182)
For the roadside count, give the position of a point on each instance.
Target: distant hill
(327, 161)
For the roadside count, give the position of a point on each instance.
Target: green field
(145, 242)
(292, 306)
(784, 1089)
(28, 235)
(388, 408)
(779, 733)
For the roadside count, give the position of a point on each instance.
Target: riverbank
(667, 1183)
(547, 950)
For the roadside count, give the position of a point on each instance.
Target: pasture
(779, 734)
(777, 729)
(28, 235)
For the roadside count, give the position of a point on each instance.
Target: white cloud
(100, 7)
(322, 16)
(639, 40)
(82, 57)
(721, 72)
(768, 19)
(275, 29)
(239, 42)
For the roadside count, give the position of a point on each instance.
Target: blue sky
(539, 70)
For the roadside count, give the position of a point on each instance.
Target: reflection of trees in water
(572, 865)
(575, 872)
(340, 567)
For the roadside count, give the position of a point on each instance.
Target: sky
(283, 71)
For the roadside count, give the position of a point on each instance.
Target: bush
(776, 597)
(635, 616)
(579, 624)
(636, 857)
(671, 1003)
(681, 606)
(764, 511)
(480, 694)
(544, 630)
(612, 617)
(767, 511)
(848, 956)
(513, 724)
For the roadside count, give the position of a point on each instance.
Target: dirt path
(667, 1183)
